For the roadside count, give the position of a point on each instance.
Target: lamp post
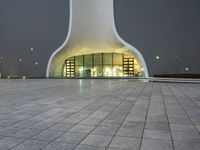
(1, 70)
(20, 67)
(1, 66)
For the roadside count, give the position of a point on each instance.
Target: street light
(187, 69)
(157, 57)
(36, 63)
(1, 66)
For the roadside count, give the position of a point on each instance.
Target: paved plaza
(98, 114)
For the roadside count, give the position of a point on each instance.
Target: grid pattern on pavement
(98, 114)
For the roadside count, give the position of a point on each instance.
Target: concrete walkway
(98, 114)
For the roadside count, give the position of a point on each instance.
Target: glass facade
(102, 65)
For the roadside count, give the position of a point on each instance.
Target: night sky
(169, 29)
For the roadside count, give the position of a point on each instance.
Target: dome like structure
(93, 47)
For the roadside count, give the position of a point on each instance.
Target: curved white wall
(91, 30)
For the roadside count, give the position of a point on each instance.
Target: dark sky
(168, 28)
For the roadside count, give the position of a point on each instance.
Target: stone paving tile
(183, 128)
(62, 127)
(8, 131)
(97, 140)
(54, 119)
(186, 145)
(102, 130)
(8, 122)
(155, 144)
(110, 123)
(112, 148)
(186, 136)
(1, 137)
(47, 135)
(90, 122)
(59, 146)
(70, 137)
(136, 118)
(196, 121)
(42, 125)
(198, 128)
(9, 142)
(125, 143)
(24, 123)
(130, 132)
(157, 126)
(31, 145)
(180, 121)
(27, 133)
(133, 124)
(80, 115)
(157, 134)
(38, 118)
(89, 147)
(82, 128)
(72, 120)
(158, 117)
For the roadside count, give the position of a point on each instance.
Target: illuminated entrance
(102, 65)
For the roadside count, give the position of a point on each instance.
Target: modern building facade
(93, 47)
(166, 34)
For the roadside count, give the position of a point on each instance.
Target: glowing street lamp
(157, 57)
(36, 63)
(187, 69)
(20, 60)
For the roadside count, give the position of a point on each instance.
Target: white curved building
(93, 47)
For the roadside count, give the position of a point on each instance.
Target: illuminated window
(102, 65)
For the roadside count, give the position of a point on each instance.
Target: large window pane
(88, 60)
(79, 71)
(107, 71)
(98, 59)
(107, 58)
(97, 71)
(87, 71)
(117, 59)
(117, 71)
(79, 60)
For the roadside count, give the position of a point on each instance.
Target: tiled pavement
(98, 115)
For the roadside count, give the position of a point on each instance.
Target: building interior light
(81, 69)
(108, 72)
